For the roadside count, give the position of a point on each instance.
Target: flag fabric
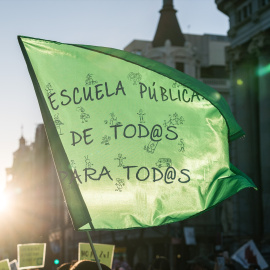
(135, 142)
(248, 255)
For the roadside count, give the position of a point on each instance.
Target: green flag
(135, 142)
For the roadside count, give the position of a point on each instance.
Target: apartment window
(239, 17)
(244, 12)
(264, 2)
(180, 66)
(217, 72)
(138, 52)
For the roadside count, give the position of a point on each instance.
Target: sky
(106, 23)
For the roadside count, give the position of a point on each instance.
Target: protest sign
(31, 255)
(189, 234)
(248, 254)
(4, 265)
(104, 253)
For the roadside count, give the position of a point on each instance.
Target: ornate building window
(244, 11)
(264, 2)
(180, 66)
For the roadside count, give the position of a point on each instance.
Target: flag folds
(135, 142)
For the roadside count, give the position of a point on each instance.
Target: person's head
(88, 265)
(160, 263)
(64, 266)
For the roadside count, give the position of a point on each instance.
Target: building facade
(200, 56)
(37, 207)
(248, 61)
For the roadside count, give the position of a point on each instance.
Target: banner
(135, 142)
(104, 253)
(31, 255)
(248, 255)
(189, 234)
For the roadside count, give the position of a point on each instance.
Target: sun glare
(3, 202)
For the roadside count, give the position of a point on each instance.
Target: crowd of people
(161, 263)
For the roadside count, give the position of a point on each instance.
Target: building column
(260, 46)
(247, 217)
